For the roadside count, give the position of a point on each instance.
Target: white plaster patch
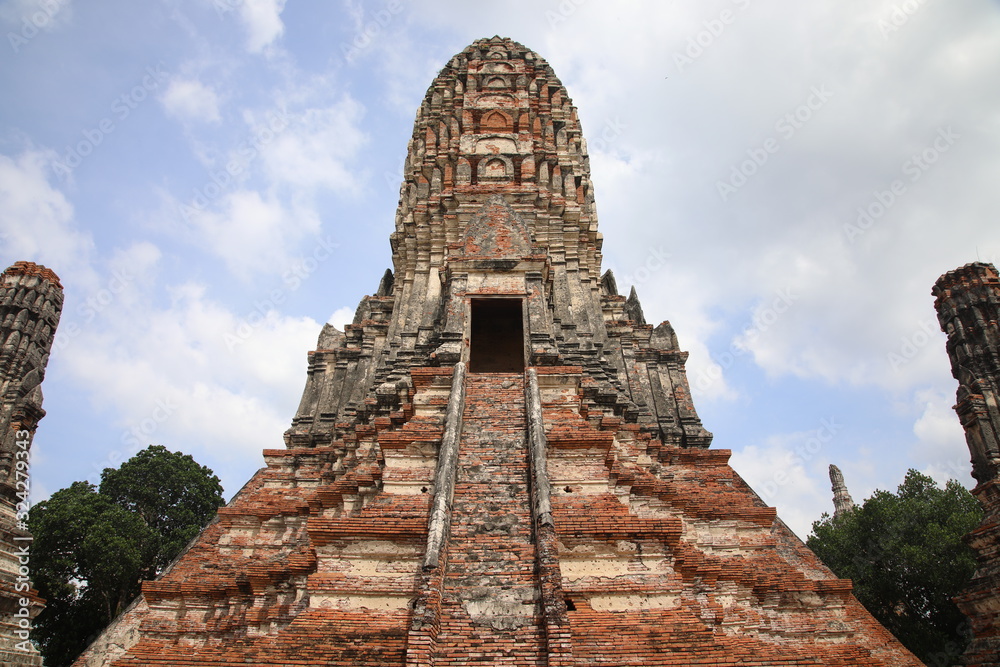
(367, 548)
(500, 284)
(502, 610)
(495, 145)
(409, 462)
(407, 488)
(579, 487)
(634, 602)
(430, 402)
(370, 602)
(577, 568)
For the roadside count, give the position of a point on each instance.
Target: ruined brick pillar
(968, 306)
(30, 302)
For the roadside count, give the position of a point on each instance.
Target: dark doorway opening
(497, 336)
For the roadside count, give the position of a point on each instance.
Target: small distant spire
(842, 501)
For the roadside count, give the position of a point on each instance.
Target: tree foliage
(905, 554)
(93, 547)
(170, 492)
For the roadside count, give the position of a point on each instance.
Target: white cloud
(252, 232)
(35, 14)
(940, 437)
(318, 148)
(855, 302)
(258, 202)
(341, 317)
(262, 19)
(121, 285)
(789, 472)
(821, 319)
(170, 375)
(190, 99)
(707, 373)
(37, 221)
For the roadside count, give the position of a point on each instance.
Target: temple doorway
(497, 344)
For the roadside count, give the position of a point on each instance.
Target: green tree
(905, 554)
(93, 547)
(172, 494)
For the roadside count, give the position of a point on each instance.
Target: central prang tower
(497, 259)
(498, 462)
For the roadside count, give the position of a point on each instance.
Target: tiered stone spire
(968, 306)
(842, 501)
(497, 127)
(31, 300)
(498, 462)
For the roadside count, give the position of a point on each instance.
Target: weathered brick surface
(609, 535)
(687, 565)
(490, 603)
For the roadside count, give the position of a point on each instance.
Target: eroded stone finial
(842, 501)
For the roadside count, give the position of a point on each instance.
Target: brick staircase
(490, 612)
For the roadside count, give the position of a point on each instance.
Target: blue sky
(214, 179)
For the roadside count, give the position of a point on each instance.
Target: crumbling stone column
(30, 303)
(968, 304)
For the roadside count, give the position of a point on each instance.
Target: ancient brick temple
(499, 462)
(968, 307)
(31, 300)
